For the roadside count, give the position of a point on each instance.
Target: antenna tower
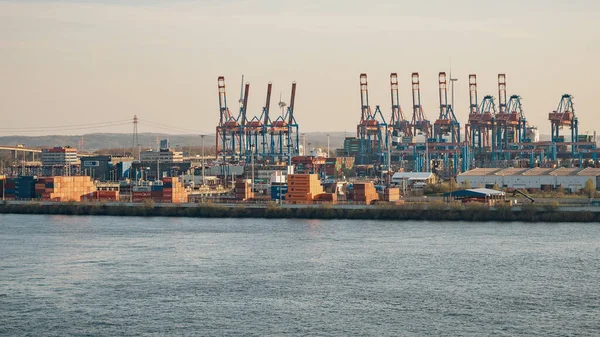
(81, 143)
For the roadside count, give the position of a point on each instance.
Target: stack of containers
(44, 187)
(102, 195)
(302, 188)
(67, 188)
(167, 194)
(278, 192)
(365, 193)
(279, 185)
(141, 193)
(40, 187)
(327, 197)
(156, 190)
(333, 166)
(10, 185)
(173, 190)
(25, 187)
(242, 189)
(391, 194)
(2, 185)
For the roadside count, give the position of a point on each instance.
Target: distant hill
(95, 141)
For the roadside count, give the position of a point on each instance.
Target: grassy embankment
(433, 212)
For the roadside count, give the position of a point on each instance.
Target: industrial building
(571, 179)
(112, 168)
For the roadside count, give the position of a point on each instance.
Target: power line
(168, 127)
(65, 126)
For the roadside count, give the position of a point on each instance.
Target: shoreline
(419, 212)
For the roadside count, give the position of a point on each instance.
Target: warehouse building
(414, 179)
(572, 179)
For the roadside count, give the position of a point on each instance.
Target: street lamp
(202, 136)
(252, 159)
(389, 157)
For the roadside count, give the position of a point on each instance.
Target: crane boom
(291, 106)
(244, 105)
(268, 103)
(224, 111)
(443, 93)
(473, 100)
(364, 97)
(396, 112)
(501, 93)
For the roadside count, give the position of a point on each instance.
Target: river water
(121, 276)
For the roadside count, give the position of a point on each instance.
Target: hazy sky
(85, 62)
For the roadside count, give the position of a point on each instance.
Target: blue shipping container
(278, 188)
(278, 192)
(277, 197)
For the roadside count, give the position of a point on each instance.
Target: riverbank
(430, 212)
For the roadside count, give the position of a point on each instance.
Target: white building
(416, 179)
(572, 179)
(59, 156)
(162, 156)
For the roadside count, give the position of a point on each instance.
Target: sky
(75, 67)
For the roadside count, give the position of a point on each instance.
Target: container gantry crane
(487, 110)
(227, 131)
(372, 131)
(564, 115)
(419, 123)
(399, 124)
(257, 131)
(480, 117)
(501, 120)
(243, 121)
(446, 124)
(285, 139)
(515, 108)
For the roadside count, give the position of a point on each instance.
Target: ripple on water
(146, 276)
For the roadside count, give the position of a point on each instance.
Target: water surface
(108, 276)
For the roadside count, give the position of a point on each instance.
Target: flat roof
(481, 172)
(412, 175)
(536, 171)
(474, 193)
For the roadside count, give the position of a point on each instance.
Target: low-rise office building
(162, 156)
(59, 156)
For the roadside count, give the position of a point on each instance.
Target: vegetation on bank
(433, 212)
